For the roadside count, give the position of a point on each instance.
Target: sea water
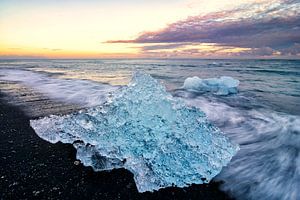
(263, 117)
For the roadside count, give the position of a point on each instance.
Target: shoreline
(31, 168)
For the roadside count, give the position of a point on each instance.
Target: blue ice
(145, 130)
(221, 86)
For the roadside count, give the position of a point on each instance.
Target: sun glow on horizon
(81, 29)
(72, 30)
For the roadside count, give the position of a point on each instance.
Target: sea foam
(83, 92)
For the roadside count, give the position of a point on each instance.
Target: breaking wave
(82, 92)
(268, 163)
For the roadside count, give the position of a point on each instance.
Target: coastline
(31, 168)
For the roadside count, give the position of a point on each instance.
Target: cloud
(268, 28)
(164, 46)
(293, 50)
(263, 51)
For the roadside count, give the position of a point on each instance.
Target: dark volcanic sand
(31, 168)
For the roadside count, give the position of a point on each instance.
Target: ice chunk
(222, 86)
(145, 130)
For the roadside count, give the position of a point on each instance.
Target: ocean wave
(266, 167)
(83, 92)
(268, 164)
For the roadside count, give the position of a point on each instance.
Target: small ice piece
(221, 86)
(144, 129)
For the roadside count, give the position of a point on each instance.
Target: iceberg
(145, 130)
(221, 86)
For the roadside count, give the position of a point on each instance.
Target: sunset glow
(118, 29)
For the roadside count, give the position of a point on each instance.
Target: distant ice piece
(221, 86)
(144, 129)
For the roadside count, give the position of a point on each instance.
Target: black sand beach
(31, 168)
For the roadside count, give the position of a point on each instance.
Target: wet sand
(31, 168)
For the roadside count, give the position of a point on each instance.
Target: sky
(149, 29)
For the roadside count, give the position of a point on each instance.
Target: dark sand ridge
(31, 168)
